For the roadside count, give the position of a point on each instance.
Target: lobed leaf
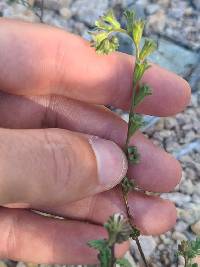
(130, 18)
(127, 185)
(136, 122)
(143, 91)
(149, 47)
(123, 263)
(133, 155)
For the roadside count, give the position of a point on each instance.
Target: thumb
(54, 166)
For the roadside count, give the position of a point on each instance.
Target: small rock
(3, 264)
(177, 197)
(181, 226)
(196, 3)
(178, 236)
(190, 214)
(196, 228)
(89, 11)
(197, 189)
(187, 187)
(55, 5)
(65, 13)
(21, 264)
(157, 21)
(170, 123)
(152, 8)
(196, 198)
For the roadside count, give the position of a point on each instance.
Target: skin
(53, 91)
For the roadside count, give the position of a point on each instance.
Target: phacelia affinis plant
(105, 41)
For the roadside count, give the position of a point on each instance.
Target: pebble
(190, 214)
(177, 197)
(170, 123)
(65, 13)
(152, 8)
(55, 5)
(196, 228)
(181, 226)
(3, 264)
(89, 11)
(178, 236)
(196, 3)
(157, 21)
(21, 264)
(187, 187)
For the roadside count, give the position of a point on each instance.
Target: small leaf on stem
(140, 68)
(133, 155)
(136, 122)
(135, 233)
(149, 47)
(123, 263)
(143, 91)
(138, 28)
(127, 185)
(130, 18)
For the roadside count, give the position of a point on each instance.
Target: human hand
(53, 88)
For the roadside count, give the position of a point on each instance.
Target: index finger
(39, 60)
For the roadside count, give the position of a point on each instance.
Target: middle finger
(158, 171)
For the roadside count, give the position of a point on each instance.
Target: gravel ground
(176, 24)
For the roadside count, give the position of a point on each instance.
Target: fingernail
(111, 161)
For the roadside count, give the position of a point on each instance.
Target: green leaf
(136, 122)
(189, 249)
(194, 265)
(98, 244)
(149, 47)
(127, 185)
(110, 19)
(104, 255)
(130, 18)
(123, 262)
(140, 68)
(107, 45)
(135, 233)
(103, 38)
(138, 28)
(133, 155)
(143, 91)
(118, 229)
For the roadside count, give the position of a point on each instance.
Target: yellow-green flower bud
(149, 47)
(138, 28)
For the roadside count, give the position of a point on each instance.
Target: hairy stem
(125, 196)
(113, 260)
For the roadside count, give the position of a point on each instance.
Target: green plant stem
(113, 260)
(125, 196)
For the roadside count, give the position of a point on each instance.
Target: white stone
(148, 246)
(181, 226)
(89, 11)
(177, 197)
(178, 236)
(152, 8)
(65, 12)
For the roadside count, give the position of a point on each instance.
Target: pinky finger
(30, 237)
